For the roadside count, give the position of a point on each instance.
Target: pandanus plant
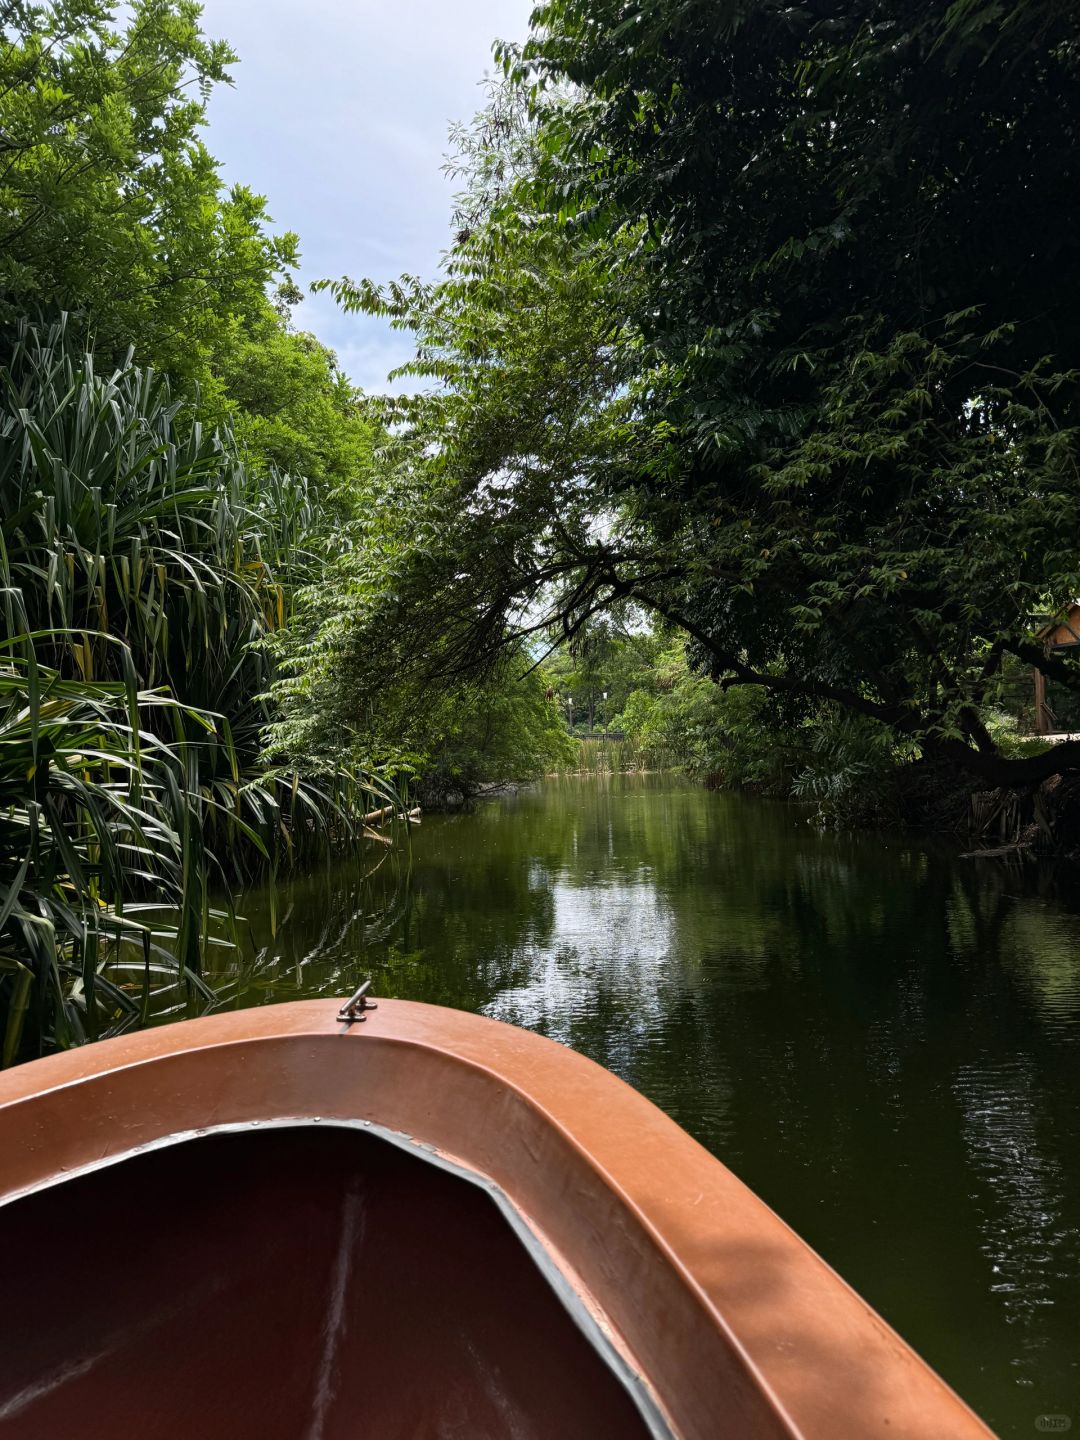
(104, 876)
(124, 519)
(141, 565)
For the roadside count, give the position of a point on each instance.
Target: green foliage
(158, 516)
(489, 479)
(593, 674)
(849, 770)
(497, 729)
(1009, 739)
(726, 737)
(123, 519)
(759, 319)
(852, 329)
(293, 410)
(96, 815)
(845, 767)
(668, 715)
(111, 202)
(439, 741)
(114, 214)
(146, 563)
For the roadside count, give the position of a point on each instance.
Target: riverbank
(1042, 821)
(915, 796)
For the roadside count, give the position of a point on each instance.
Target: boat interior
(315, 1282)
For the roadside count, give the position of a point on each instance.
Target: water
(881, 1040)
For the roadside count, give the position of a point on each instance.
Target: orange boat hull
(274, 1223)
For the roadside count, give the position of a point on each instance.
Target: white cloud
(339, 116)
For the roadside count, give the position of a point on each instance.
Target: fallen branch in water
(376, 817)
(995, 850)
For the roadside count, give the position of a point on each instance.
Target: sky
(339, 115)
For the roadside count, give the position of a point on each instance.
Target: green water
(880, 1040)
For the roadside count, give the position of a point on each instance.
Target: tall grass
(141, 568)
(611, 757)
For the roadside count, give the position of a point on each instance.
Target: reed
(605, 756)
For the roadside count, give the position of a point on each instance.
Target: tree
(860, 222)
(813, 272)
(490, 480)
(115, 215)
(292, 407)
(112, 206)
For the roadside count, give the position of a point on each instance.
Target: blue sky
(339, 116)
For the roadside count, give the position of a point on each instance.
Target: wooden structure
(1060, 633)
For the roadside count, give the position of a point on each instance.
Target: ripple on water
(1020, 1199)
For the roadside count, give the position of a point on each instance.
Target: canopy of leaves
(114, 213)
(761, 317)
(111, 202)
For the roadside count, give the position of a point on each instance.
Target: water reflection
(602, 939)
(881, 1040)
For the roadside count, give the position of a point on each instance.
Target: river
(880, 1038)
